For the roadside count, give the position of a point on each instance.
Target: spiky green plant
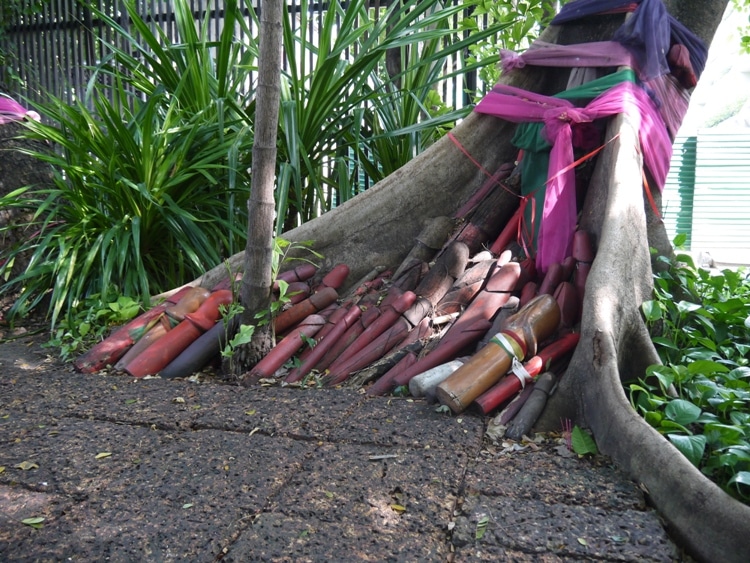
(343, 116)
(144, 183)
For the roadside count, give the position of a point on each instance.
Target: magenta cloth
(11, 110)
(595, 54)
(559, 216)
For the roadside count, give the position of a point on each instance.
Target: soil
(154, 470)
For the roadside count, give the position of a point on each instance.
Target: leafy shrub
(699, 398)
(144, 187)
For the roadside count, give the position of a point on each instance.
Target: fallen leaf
(582, 541)
(251, 412)
(187, 505)
(481, 527)
(178, 400)
(2, 468)
(398, 508)
(26, 465)
(35, 522)
(130, 401)
(329, 494)
(101, 455)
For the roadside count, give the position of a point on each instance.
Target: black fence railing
(53, 49)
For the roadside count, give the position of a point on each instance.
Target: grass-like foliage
(144, 188)
(699, 398)
(345, 115)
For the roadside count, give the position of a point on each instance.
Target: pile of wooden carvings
(458, 328)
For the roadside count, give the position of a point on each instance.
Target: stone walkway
(156, 470)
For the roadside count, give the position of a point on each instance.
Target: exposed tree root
(615, 346)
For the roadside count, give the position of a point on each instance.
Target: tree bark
(379, 227)
(255, 292)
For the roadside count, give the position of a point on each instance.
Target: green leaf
(651, 311)
(740, 373)
(665, 375)
(654, 418)
(481, 527)
(666, 342)
(682, 412)
(34, 522)
(706, 367)
(740, 478)
(583, 443)
(102, 455)
(692, 447)
(727, 434)
(670, 426)
(687, 307)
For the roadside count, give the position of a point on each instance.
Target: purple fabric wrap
(595, 54)
(697, 48)
(559, 216)
(648, 34)
(582, 8)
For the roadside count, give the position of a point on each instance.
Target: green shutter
(677, 198)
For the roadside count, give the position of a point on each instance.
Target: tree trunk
(255, 293)
(379, 227)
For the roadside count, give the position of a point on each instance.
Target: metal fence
(52, 49)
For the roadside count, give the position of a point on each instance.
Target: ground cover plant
(699, 397)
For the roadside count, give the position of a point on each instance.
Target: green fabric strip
(535, 163)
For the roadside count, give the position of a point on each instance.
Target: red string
(477, 164)
(650, 196)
